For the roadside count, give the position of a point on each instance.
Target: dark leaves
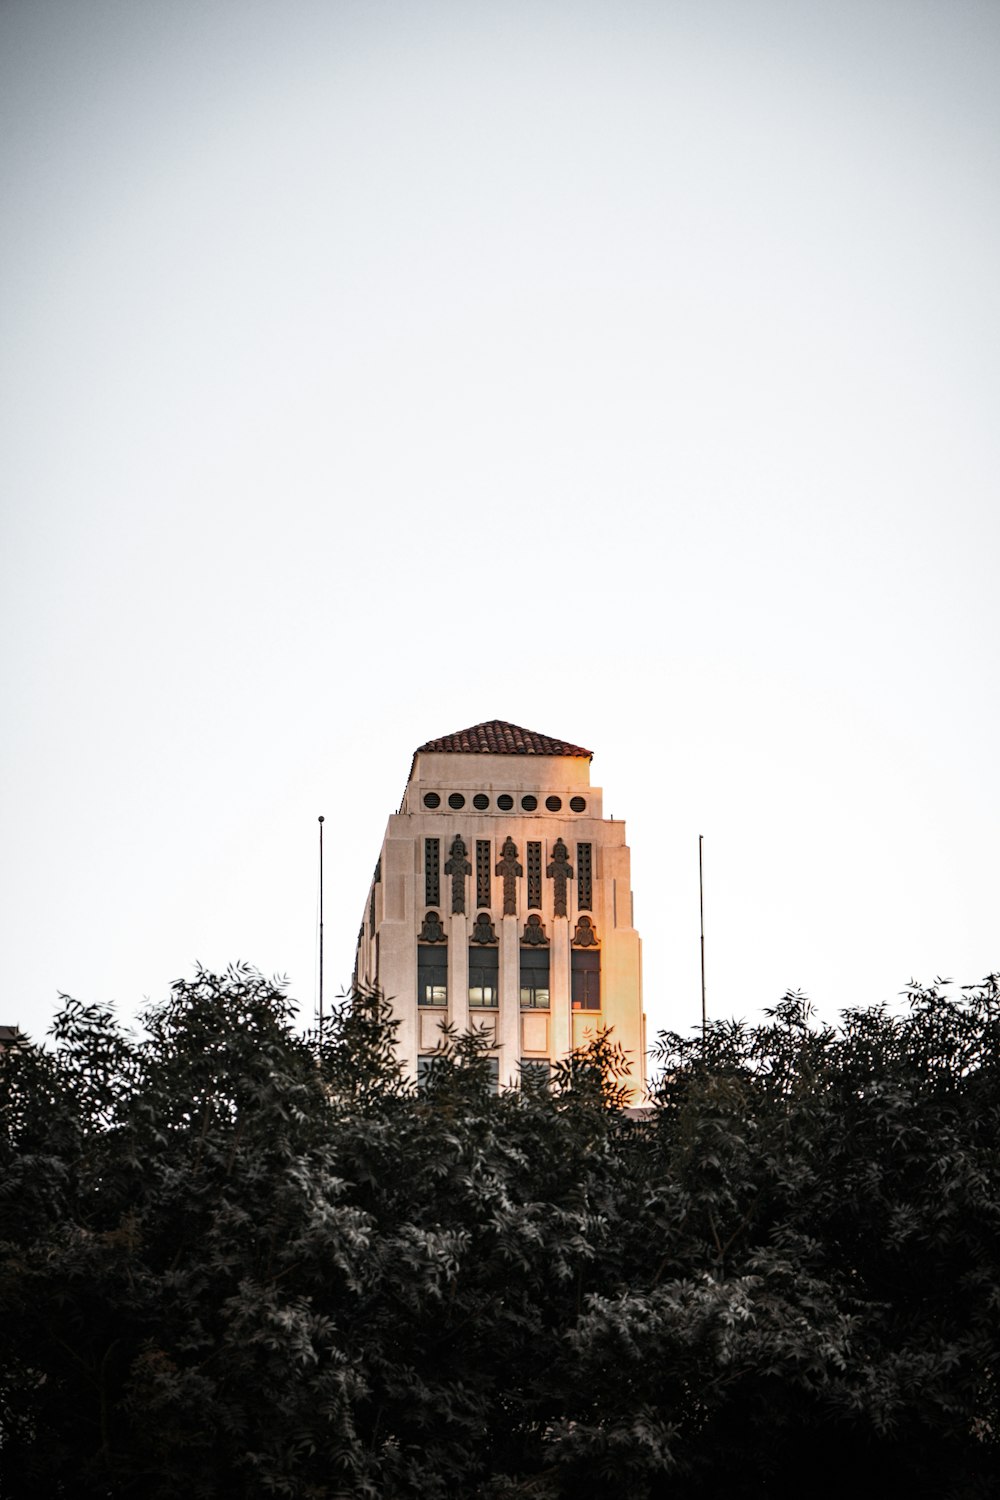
(236, 1260)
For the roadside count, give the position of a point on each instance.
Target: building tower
(501, 899)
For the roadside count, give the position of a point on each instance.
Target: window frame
(585, 979)
(484, 960)
(432, 957)
(534, 957)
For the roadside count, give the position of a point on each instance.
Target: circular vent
(578, 804)
(456, 800)
(505, 803)
(554, 804)
(481, 801)
(529, 803)
(431, 799)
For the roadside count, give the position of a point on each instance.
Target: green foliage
(237, 1261)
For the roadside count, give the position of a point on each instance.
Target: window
(505, 802)
(483, 869)
(578, 804)
(535, 1072)
(432, 976)
(586, 979)
(431, 799)
(529, 803)
(432, 872)
(484, 988)
(425, 1067)
(456, 800)
(554, 804)
(535, 978)
(493, 1082)
(584, 877)
(534, 875)
(480, 802)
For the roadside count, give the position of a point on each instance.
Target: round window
(505, 802)
(456, 800)
(578, 804)
(554, 804)
(431, 799)
(481, 801)
(529, 803)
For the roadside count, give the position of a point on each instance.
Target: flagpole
(701, 908)
(321, 927)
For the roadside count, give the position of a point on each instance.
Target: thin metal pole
(321, 927)
(701, 907)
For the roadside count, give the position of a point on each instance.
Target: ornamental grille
(432, 872)
(483, 872)
(535, 875)
(584, 877)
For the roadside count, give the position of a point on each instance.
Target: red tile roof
(496, 737)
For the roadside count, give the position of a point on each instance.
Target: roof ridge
(499, 737)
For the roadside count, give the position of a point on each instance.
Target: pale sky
(625, 370)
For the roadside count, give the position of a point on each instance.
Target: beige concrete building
(502, 899)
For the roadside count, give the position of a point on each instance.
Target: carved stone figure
(509, 868)
(534, 932)
(432, 930)
(482, 929)
(458, 867)
(585, 935)
(559, 871)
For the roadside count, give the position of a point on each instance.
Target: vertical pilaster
(559, 982)
(458, 972)
(510, 1001)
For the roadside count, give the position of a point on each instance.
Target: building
(502, 899)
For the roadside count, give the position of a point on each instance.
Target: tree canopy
(239, 1261)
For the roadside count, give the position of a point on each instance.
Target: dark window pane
(505, 803)
(578, 804)
(456, 800)
(432, 976)
(529, 803)
(481, 801)
(554, 804)
(425, 1067)
(431, 799)
(586, 980)
(535, 978)
(484, 969)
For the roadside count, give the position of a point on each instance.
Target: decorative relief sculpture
(585, 935)
(482, 929)
(534, 932)
(559, 871)
(432, 931)
(509, 868)
(458, 867)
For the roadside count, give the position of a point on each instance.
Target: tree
(239, 1261)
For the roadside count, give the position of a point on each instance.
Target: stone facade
(502, 899)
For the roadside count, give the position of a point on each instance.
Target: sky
(628, 371)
